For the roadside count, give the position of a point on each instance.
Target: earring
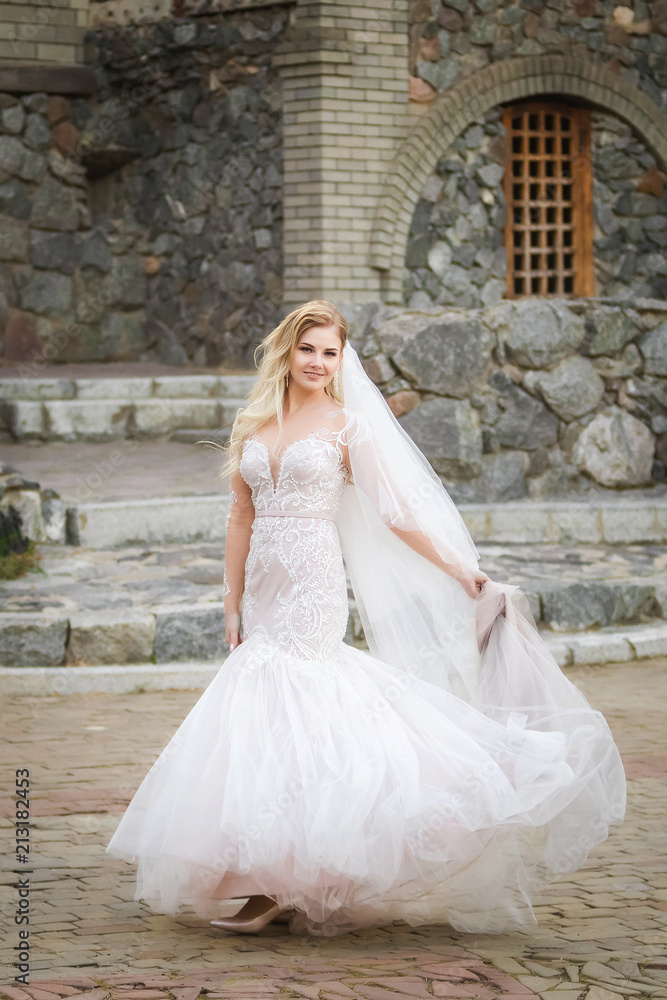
(335, 381)
(287, 380)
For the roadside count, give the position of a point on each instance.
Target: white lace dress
(330, 780)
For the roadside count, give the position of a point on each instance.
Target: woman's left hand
(472, 581)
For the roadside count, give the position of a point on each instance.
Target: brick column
(345, 103)
(32, 31)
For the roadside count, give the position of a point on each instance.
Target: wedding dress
(356, 789)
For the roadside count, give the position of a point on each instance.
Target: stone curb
(624, 522)
(108, 679)
(203, 518)
(591, 649)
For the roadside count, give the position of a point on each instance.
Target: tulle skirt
(360, 794)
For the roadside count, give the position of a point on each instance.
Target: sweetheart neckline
(312, 434)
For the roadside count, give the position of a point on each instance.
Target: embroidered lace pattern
(295, 593)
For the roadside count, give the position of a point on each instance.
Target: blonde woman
(440, 777)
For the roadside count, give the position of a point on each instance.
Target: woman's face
(316, 357)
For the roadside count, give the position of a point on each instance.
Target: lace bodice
(311, 477)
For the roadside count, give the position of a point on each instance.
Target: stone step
(114, 419)
(194, 518)
(622, 645)
(133, 388)
(116, 524)
(164, 603)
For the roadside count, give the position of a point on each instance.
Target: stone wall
(455, 252)
(526, 398)
(148, 224)
(452, 40)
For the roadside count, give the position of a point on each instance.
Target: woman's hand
(472, 581)
(233, 630)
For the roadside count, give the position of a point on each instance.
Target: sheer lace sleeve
(409, 512)
(239, 527)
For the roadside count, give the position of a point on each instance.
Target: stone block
(502, 478)
(13, 240)
(122, 335)
(36, 388)
(476, 517)
(162, 416)
(116, 636)
(47, 293)
(28, 504)
(117, 389)
(187, 387)
(600, 647)
(518, 524)
(54, 518)
(149, 522)
(449, 356)
(653, 347)
(22, 340)
(237, 386)
(54, 207)
(24, 419)
(189, 632)
(559, 649)
(32, 640)
(525, 422)
(536, 333)
(571, 607)
(54, 251)
(609, 329)
(86, 420)
(648, 641)
(574, 523)
(615, 449)
(624, 525)
(571, 389)
(447, 432)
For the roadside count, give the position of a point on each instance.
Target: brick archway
(457, 108)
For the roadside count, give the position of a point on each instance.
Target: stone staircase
(103, 409)
(130, 593)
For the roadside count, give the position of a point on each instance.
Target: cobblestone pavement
(601, 932)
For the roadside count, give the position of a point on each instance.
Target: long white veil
(487, 650)
(414, 615)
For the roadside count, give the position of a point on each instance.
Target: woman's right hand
(233, 630)
(472, 581)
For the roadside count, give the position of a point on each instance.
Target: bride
(446, 775)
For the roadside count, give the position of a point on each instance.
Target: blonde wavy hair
(268, 394)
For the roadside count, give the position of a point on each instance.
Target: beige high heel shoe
(246, 924)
